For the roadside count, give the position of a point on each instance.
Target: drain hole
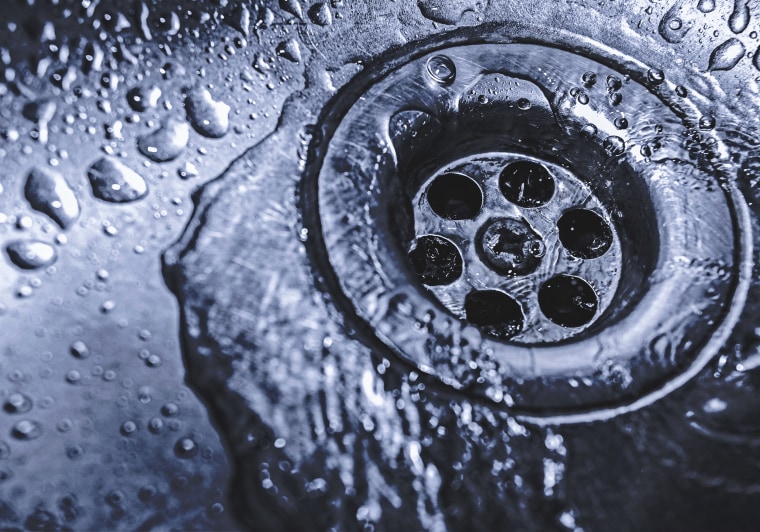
(584, 233)
(526, 184)
(455, 197)
(435, 260)
(494, 312)
(568, 301)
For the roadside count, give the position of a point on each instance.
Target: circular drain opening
(543, 247)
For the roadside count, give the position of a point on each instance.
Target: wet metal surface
(211, 319)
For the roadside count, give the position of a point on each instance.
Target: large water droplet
(446, 11)
(241, 19)
(113, 181)
(290, 50)
(31, 254)
(167, 142)
(706, 6)
(17, 403)
(47, 192)
(320, 14)
(739, 18)
(209, 117)
(293, 7)
(143, 98)
(26, 430)
(726, 55)
(676, 23)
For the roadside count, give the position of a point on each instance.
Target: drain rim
(735, 297)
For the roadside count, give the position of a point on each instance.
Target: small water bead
(441, 69)
(615, 98)
(143, 98)
(153, 361)
(26, 430)
(185, 448)
(17, 403)
(170, 410)
(614, 146)
(681, 91)
(655, 76)
(128, 428)
(589, 79)
(621, 122)
(583, 98)
(155, 425)
(73, 377)
(707, 123)
(613, 83)
(523, 104)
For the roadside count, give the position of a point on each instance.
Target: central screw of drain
(510, 246)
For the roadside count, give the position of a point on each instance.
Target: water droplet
(441, 69)
(589, 79)
(185, 448)
(143, 98)
(128, 428)
(49, 193)
(155, 425)
(681, 91)
(739, 18)
(17, 403)
(320, 14)
(675, 23)
(188, 171)
(290, 50)
(621, 122)
(582, 98)
(79, 349)
(655, 76)
(588, 131)
(167, 142)
(726, 55)
(241, 19)
(209, 117)
(113, 181)
(706, 123)
(293, 7)
(523, 104)
(41, 113)
(26, 430)
(170, 410)
(73, 377)
(447, 11)
(31, 254)
(706, 6)
(614, 146)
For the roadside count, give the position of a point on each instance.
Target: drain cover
(528, 225)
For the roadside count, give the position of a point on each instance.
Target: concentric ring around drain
(680, 259)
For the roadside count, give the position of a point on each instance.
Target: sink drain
(528, 225)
